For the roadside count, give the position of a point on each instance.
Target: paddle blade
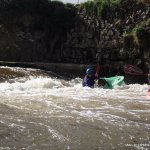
(132, 70)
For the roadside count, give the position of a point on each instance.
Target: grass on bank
(137, 38)
(98, 8)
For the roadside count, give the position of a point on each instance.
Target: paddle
(133, 70)
(97, 71)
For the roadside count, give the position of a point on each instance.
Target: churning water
(39, 111)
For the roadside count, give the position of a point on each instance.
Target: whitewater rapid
(39, 110)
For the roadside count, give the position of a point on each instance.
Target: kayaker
(90, 77)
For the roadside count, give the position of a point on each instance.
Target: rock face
(53, 32)
(34, 30)
(104, 40)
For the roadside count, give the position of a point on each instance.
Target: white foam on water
(32, 83)
(73, 89)
(61, 107)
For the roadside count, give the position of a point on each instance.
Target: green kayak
(113, 81)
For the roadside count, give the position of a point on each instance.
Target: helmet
(89, 71)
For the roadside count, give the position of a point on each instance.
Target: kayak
(132, 70)
(113, 81)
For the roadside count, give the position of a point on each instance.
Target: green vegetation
(138, 38)
(141, 33)
(98, 8)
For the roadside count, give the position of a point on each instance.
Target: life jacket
(88, 81)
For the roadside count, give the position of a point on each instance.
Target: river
(39, 110)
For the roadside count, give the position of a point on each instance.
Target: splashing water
(40, 111)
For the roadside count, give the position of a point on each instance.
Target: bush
(99, 7)
(137, 38)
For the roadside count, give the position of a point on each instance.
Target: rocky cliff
(45, 31)
(34, 30)
(120, 36)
